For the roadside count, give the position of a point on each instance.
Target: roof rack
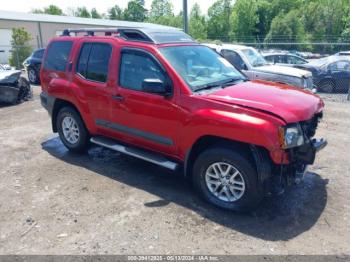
(150, 35)
(124, 32)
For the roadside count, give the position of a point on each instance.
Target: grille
(310, 126)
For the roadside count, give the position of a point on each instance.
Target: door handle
(118, 97)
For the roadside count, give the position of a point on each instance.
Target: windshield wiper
(208, 86)
(230, 82)
(233, 81)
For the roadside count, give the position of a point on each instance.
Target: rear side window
(57, 55)
(94, 60)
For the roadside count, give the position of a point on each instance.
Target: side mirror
(154, 86)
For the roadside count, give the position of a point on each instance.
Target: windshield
(254, 58)
(200, 66)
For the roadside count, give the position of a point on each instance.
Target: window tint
(295, 60)
(270, 58)
(83, 59)
(136, 67)
(340, 66)
(94, 61)
(234, 59)
(57, 55)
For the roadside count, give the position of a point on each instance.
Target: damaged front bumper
(300, 158)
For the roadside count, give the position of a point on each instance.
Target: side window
(93, 61)
(38, 54)
(233, 58)
(270, 58)
(135, 67)
(279, 59)
(57, 55)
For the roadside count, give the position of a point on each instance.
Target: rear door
(340, 72)
(92, 78)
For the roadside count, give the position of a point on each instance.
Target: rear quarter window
(57, 55)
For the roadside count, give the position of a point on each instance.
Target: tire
(204, 164)
(33, 76)
(76, 138)
(327, 86)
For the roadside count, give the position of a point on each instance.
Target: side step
(135, 152)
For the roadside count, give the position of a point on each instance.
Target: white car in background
(254, 66)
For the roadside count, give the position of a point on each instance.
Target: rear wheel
(72, 130)
(327, 86)
(226, 179)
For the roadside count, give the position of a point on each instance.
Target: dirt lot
(55, 202)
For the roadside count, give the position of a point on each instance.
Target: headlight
(291, 136)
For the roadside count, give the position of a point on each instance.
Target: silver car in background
(254, 66)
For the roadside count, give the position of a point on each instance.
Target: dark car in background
(331, 74)
(32, 65)
(282, 58)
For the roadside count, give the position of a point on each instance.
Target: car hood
(9, 76)
(283, 70)
(289, 103)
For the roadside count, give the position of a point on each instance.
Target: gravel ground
(56, 202)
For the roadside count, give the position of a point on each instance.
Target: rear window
(39, 54)
(57, 55)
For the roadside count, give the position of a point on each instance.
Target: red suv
(157, 95)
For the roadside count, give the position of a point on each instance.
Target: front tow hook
(319, 144)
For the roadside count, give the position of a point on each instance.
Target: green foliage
(95, 14)
(135, 11)
(51, 10)
(20, 47)
(115, 13)
(82, 12)
(197, 23)
(244, 19)
(218, 20)
(286, 28)
(260, 21)
(160, 8)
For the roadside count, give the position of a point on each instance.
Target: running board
(135, 152)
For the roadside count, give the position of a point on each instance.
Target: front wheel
(327, 86)
(72, 130)
(33, 76)
(227, 179)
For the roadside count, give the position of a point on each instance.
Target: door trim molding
(135, 132)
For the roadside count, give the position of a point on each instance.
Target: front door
(144, 119)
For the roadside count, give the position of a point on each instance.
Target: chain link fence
(14, 56)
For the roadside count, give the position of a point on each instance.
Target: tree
(244, 19)
(82, 12)
(286, 29)
(160, 8)
(197, 25)
(95, 14)
(51, 10)
(115, 13)
(135, 11)
(20, 47)
(264, 17)
(218, 22)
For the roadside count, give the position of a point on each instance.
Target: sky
(101, 6)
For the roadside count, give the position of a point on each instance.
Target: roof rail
(128, 33)
(140, 34)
